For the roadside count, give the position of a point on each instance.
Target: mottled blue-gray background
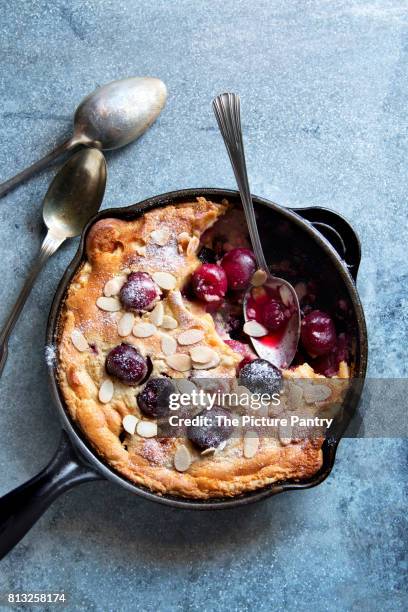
(324, 97)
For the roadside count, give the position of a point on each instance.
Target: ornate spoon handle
(42, 163)
(227, 111)
(48, 247)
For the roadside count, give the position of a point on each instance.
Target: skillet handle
(22, 507)
(338, 231)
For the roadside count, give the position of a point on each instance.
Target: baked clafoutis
(154, 315)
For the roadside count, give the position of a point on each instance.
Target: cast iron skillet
(323, 232)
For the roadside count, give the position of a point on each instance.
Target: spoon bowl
(75, 194)
(118, 113)
(111, 117)
(277, 348)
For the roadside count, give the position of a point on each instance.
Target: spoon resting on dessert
(271, 306)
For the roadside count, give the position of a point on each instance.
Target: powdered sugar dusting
(153, 452)
(166, 258)
(50, 354)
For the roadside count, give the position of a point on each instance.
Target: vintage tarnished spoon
(110, 117)
(279, 350)
(74, 196)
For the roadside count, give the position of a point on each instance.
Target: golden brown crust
(114, 247)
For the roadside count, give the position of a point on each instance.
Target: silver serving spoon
(227, 111)
(109, 118)
(73, 197)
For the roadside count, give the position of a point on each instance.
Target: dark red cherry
(241, 348)
(300, 357)
(239, 265)
(342, 349)
(235, 324)
(245, 362)
(126, 364)
(238, 347)
(154, 400)
(260, 376)
(209, 283)
(139, 292)
(214, 432)
(244, 350)
(318, 333)
(207, 255)
(214, 305)
(328, 365)
(274, 315)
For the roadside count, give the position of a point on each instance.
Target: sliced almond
(192, 245)
(179, 362)
(255, 329)
(168, 345)
(146, 429)
(191, 336)
(81, 377)
(125, 324)
(183, 238)
(182, 459)
(106, 391)
(160, 236)
(209, 364)
(286, 295)
(202, 354)
(79, 341)
(295, 396)
(114, 285)
(144, 330)
(259, 277)
(157, 314)
(129, 423)
(109, 304)
(214, 449)
(283, 434)
(251, 444)
(185, 386)
(208, 451)
(315, 392)
(165, 280)
(169, 322)
(221, 447)
(141, 251)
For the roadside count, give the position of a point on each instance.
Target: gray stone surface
(324, 92)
